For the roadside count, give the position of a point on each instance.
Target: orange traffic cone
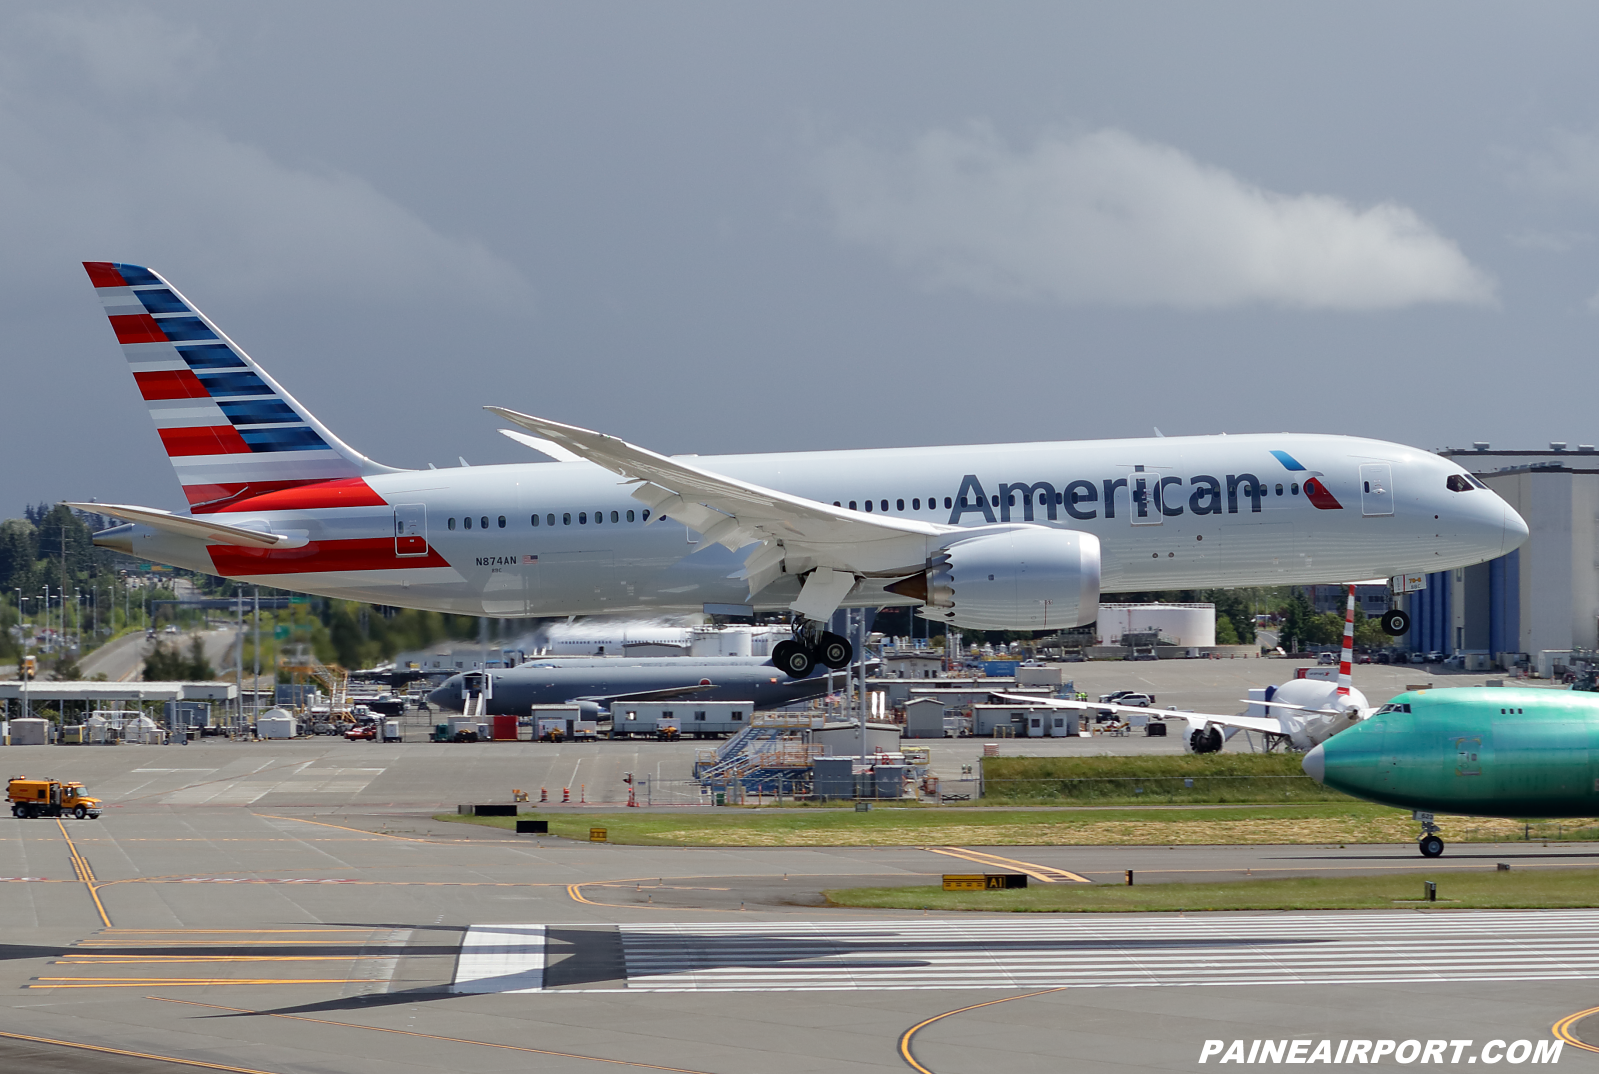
(544, 795)
(630, 799)
(582, 794)
(566, 795)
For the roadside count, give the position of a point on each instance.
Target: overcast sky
(734, 227)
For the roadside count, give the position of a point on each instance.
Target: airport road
(360, 938)
(122, 660)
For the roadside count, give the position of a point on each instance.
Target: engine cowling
(1011, 578)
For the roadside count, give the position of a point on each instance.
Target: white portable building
(276, 723)
(30, 732)
(693, 718)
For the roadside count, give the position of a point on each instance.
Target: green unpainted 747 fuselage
(1481, 751)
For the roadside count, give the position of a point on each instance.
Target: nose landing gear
(1429, 844)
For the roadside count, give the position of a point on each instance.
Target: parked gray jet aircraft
(599, 682)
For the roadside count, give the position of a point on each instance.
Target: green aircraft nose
(1315, 763)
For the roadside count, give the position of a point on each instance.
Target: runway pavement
(326, 927)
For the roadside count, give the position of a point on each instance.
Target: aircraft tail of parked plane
(230, 430)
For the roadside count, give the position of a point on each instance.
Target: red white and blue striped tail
(1345, 673)
(231, 432)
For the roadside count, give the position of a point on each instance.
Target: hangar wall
(1542, 596)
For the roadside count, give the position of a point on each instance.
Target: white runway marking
(500, 958)
(1100, 952)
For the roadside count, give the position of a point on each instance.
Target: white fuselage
(1169, 513)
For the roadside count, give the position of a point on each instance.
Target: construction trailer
(693, 719)
(1022, 721)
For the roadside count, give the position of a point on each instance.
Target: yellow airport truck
(50, 798)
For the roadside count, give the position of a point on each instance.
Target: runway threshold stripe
(910, 955)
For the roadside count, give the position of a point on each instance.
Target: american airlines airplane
(990, 536)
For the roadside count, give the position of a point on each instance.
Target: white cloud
(1109, 218)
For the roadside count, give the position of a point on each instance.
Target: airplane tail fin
(1346, 659)
(230, 430)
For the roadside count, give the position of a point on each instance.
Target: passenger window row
(549, 519)
(899, 505)
(1043, 500)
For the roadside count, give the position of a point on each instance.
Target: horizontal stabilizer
(203, 529)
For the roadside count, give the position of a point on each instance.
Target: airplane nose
(1315, 764)
(1516, 530)
(447, 696)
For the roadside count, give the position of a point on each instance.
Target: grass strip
(1486, 890)
(1345, 822)
(1170, 778)
(1351, 822)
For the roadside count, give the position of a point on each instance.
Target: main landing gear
(1394, 623)
(1429, 844)
(811, 645)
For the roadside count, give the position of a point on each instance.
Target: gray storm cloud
(1112, 219)
(99, 182)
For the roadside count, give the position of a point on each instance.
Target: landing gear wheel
(1395, 623)
(1430, 846)
(80, 812)
(793, 659)
(835, 652)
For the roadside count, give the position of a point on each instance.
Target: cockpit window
(1458, 483)
(1475, 482)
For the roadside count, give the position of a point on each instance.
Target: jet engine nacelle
(1011, 578)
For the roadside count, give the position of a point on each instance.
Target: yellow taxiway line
(185, 982)
(80, 865)
(1562, 1029)
(136, 1055)
(1044, 873)
(906, 1037)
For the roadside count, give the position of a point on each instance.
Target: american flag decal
(530, 559)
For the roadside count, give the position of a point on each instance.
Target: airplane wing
(1243, 723)
(204, 529)
(832, 546)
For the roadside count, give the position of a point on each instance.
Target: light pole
(22, 660)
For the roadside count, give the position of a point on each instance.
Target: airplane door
(410, 529)
(1376, 489)
(1143, 494)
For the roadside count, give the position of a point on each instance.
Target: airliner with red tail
(990, 536)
